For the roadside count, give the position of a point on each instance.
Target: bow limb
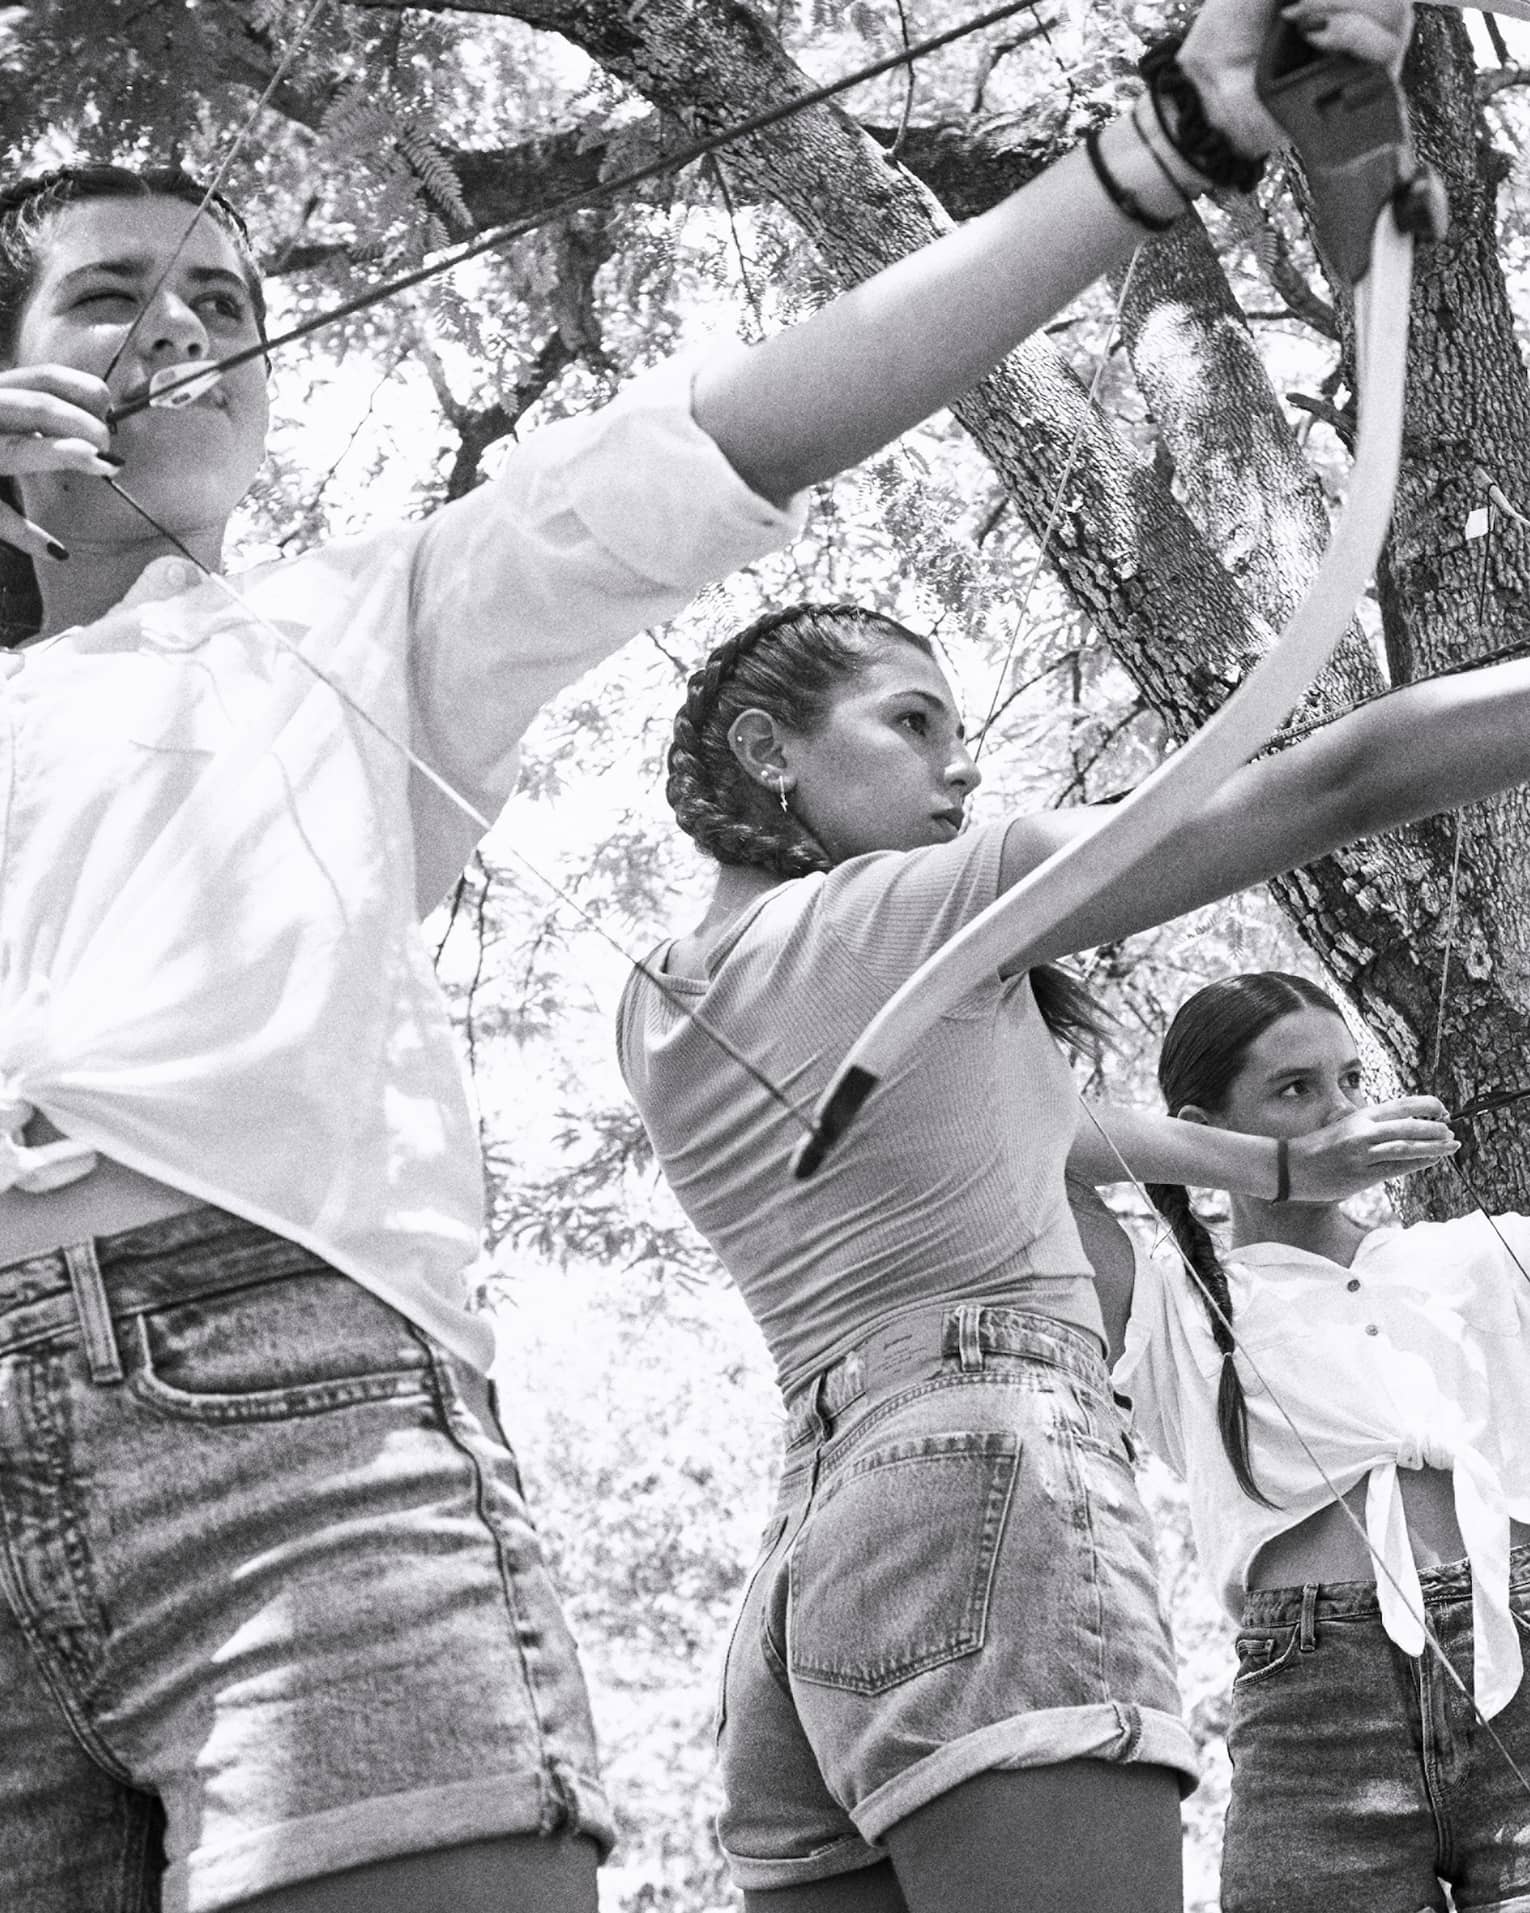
(1015, 930)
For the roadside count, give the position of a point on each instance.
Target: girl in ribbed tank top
(1363, 1775)
(950, 1684)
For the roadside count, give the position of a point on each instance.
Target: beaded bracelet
(1122, 197)
(1198, 143)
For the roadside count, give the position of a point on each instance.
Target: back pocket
(892, 1571)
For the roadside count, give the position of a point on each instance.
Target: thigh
(72, 1834)
(516, 1875)
(1080, 1837)
(1330, 1804)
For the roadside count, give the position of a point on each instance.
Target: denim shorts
(273, 1606)
(958, 1576)
(1361, 1777)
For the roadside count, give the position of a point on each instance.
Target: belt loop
(1307, 1633)
(969, 1340)
(94, 1312)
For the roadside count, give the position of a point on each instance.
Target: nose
(1337, 1103)
(962, 772)
(172, 330)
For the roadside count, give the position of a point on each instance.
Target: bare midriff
(1326, 1546)
(109, 1199)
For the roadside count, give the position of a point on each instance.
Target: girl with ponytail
(1396, 1363)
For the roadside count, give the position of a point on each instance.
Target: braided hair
(790, 664)
(27, 209)
(1201, 1059)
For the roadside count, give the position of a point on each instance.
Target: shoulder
(1458, 1258)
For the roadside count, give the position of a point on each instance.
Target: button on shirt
(1417, 1356)
(212, 867)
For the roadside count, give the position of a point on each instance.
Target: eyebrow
(1294, 1070)
(935, 703)
(140, 265)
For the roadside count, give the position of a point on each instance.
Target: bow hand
(1347, 119)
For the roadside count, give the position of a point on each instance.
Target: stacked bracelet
(1163, 155)
(1122, 197)
(1177, 104)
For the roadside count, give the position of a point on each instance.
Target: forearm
(824, 394)
(1425, 749)
(1116, 1144)
(1437, 745)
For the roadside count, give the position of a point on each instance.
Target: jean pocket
(295, 1346)
(892, 1572)
(1263, 1655)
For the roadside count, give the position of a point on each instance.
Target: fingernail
(111, 458)
(56, 551)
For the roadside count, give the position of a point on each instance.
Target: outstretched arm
(828, 392)
(1116, 1144)
(1427, 748)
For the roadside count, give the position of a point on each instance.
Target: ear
(1193, 1113)
(755, 738)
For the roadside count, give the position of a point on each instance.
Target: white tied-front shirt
(1417, 1355)
(212, 868)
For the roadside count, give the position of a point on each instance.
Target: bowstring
(1383, 1570)
(225, 165)
(802, 1117)
(1452, 917)
(906, 56)
(1055, 504)
(1075, 447)
(598, 194)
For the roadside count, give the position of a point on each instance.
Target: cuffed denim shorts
(1361, 1777)
(958, 1576)
(273, 1605)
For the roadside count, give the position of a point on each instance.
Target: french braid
(1202, 1056)
(787, 663)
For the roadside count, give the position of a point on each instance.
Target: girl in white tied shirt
(1362, 1776)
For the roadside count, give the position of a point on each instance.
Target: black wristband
(1283, 1170)
(1189, 132)
(1178, 185)
(1122, 197)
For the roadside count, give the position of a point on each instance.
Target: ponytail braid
(1194, 1239)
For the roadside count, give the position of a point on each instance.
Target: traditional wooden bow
(1348, 122)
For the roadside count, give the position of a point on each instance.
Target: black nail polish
(111, 458)
(56, 551)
